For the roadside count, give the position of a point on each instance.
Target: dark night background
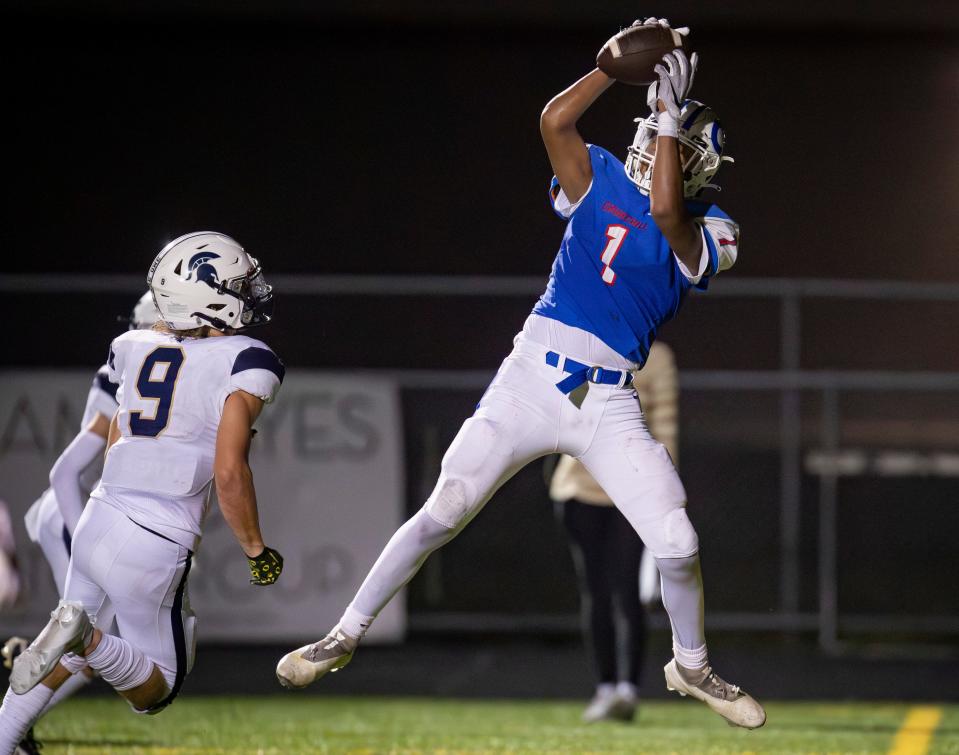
(402, 139)
(389, 139)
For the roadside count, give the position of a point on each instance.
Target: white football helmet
(144, 313)
(206, 278)
(700, 131)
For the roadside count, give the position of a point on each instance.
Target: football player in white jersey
(189, 392)
(638, 239)
(52, 519)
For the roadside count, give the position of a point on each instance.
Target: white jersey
(102, 398)
(171, 399)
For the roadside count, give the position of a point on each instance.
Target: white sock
(354, 623)
(402, 557)
(691, 659)
(121, 665)
(18, 713)
(682, 584)
(71, 686)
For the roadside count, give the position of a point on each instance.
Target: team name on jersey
(624, 216)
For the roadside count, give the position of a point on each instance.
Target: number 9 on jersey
(156, 382)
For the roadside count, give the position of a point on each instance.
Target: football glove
(266, 568)
(653, 21)
(676, 74)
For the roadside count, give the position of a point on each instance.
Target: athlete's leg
(489, 449)
(80, 673)
(19, 712)
(588, 526)
(56, 543)
(510, 429)
(73, 684)
(596, 554)
(54, 540)
(145, 578)
(626, 550)
(128, 670)
(682, 587)
(637, 473)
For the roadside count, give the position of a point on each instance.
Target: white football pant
(120, 568)
(523, 416)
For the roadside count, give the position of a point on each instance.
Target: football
(631, 55)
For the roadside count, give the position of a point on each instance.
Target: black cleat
(29, 745)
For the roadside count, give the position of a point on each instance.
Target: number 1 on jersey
(615, 235)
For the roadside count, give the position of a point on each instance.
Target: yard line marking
(916, 732)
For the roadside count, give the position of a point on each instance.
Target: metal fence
(789, 381)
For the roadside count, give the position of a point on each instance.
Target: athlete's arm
(232, 473)
(113, 434)
(663, 407)
(666, 196)
(65, 475)
(668, 206)
(566, 149)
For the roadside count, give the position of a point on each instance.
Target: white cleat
(609, 705)
(728, 700)
(69, 630)
(307, 664)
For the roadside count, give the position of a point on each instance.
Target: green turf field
(286, 724)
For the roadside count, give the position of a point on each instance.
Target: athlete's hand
(676, 74)
(266, 568)
(653, 21)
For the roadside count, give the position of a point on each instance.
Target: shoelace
(721, 685)
(327, 643)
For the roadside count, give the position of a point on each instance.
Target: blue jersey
(615, 275)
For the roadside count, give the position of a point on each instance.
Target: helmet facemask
(254, 294)
(700, 157)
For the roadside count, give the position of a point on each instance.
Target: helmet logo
(199, 264)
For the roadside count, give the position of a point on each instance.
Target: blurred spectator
(607, 551)
(9, 576)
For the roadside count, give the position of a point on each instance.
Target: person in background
(9, 575)
(52, 519)
(188, 393)
(607, 551)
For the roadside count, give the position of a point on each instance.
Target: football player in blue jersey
(638, 238)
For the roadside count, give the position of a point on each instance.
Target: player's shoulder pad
(127, 336)
(603, 160)
(252, 354)
(702, 209)
(723, 228)
(102, 381)
(130, 337)
(117, 345)
(721, 233)
(603, 164)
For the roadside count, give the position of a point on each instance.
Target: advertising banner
(328, 466)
